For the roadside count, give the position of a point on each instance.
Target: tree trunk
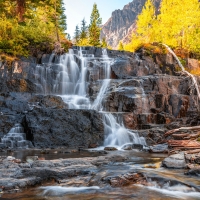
(21, 4)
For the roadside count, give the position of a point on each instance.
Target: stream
(72, 74)
(77, 187)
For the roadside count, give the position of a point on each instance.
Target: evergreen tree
(77, 34)
(104, 43)
(29, 24)
(121, 46)
(68, 36)
(94, 27)
(83, 34)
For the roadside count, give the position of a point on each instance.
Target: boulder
(110, 149)
(176, 161)
(160, 148)
(48, 127)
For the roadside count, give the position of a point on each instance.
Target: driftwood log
(192, 151)
(193, 128)
(184, 144)
(186, 136)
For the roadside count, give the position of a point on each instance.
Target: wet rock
(127, 147)
(44, 151)
(175, 161)
(137, 146)
(154, 136)
(91, 146)
(160, 148)
(197, 160)
(2, 146)
(48, 101)
(25, 165)
(110, 149)
(31, 159)
(195, 171)
(117, 158)
(127, 179)
(10, 158)
(65, 132)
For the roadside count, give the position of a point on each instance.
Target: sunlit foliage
(39, 24)
(177, 25)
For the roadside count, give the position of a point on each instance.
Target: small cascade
(184, 71)
(16, 138)
(145, 107)
(72, 76)
(117, 135)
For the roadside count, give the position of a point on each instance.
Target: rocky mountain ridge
(122, 22)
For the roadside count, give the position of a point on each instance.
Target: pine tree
(94, 27)
(68, 36)
(121, 46)
(104, 43)
(77, 34)
(83, 34)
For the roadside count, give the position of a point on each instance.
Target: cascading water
(16, 138)
(75, 71)
(184, 71)
(71, 81)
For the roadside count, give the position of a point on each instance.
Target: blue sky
(76, 10)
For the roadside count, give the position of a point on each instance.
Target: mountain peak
(122, 22)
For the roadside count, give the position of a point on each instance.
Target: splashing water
(16, 138)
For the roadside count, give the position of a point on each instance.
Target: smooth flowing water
(16, 138)
(149, 164)
(75, 71)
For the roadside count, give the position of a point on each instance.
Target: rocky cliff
(122, 22)
(146, 90)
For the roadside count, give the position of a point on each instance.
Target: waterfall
(74, 72)
(184, 71)
(16, 138)
(116, 133)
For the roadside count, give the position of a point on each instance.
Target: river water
(149, 164)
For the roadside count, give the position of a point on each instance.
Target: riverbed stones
(176, 161)
(160, 148)
(110, 149)
(31, 159)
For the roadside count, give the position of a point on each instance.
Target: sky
(76, 10)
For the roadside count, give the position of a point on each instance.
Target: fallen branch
(180, 136)
(186, 136)
(193, 151)
(183, 144)
(192, 136)
(168, 133)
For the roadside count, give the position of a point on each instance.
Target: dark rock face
(122, 22)
(147, 91)
(61, 127)
(48, 123)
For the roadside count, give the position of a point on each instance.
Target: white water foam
(177, 191)
(74, 72)
(60, 191)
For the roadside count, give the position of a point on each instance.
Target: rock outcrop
(61, 127)
(146, 91)
(122, 23)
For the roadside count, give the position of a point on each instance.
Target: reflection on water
(51, 154)
(134, 192)
(159, 188)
